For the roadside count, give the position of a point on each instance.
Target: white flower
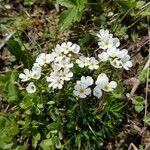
(67, 47)
(52, 76)
(122, 53)
(117, 63)
(97, 92)
(104, 34)
(56, 66)
(66, 74)
(112, 52)
(26, 76)
(81, 90)
(106, 43)
(36, 67)
(103, 56)
(43, 59)
(36, 71)
(106, 40)
(31, 88)
(36, 74)
(88, 81)
(103, 83)
(126, 63)
(82, 61)
(58, 49)
(93, 63)
(65, 63)
(55, 81)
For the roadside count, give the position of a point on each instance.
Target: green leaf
(143, 75)
(139, 4)
(139, 108)
(57, 142)
(47, 144)
(7, 86)
(35, 139)
(67, 18)
(145, 13)
(8, 146)
(23, 147)
(72, 15)
(138, 103)
(50, 102)
(24, 56)
(8, 130)
(147, 119)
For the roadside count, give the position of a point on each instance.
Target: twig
(6, 39)
(138, 81)
(57, 7)
(132, 147)
(6, 109)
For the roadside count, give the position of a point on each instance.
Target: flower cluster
(118, 58)
(82, 88)
(57, 67)
(59, 62)
(62, 64)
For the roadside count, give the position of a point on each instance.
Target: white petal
(97, 92)
(22, 76)
(69, 44)
(26, 71)
(88, 91)
(103, 56)
(70, 74)
(76, 93)
(122, 53)
(116, 42)
(102, 80)
(89, 80)
(82, 95)
(75, 48)
(112, 51)
(127, 65)
(64, 45)
(112, 85)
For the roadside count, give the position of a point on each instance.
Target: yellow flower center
(106, 88)
(81, 90)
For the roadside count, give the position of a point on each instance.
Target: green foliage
(24, 56)
(133, 7)
(138, 103)
(8, 130)
(7, 86)
(144, 74)
(72, 14)
(63, 122)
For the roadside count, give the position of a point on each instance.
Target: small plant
(138, 103)
(72, 101)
